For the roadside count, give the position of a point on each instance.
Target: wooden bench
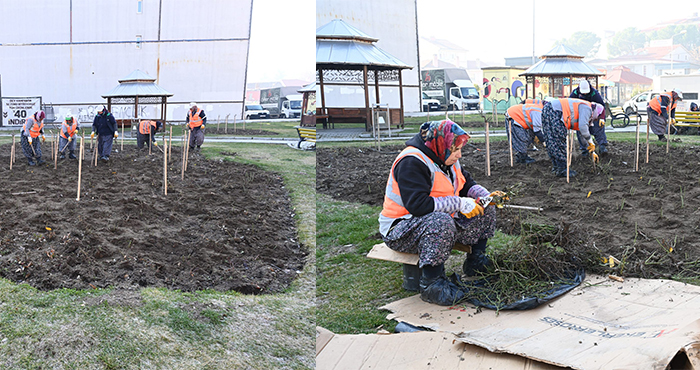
(686, 120)
(306, 134)
(616, 113)
(411, 272)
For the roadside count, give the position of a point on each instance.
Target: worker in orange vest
(66, 137)
(430, 203)
(561, 115)
(196, 119)
(523, 124)
(146, 132)
(32, 129)
(662, 110)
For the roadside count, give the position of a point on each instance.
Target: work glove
(591, 146)
(43, 138)
(29, 138)
(70, 138)
(595, 157)
(116, 134)
(202, 127)
(601, 123)
(673, 121)
(92, 135)
(539, 136)
(470, 208)
(155, 143)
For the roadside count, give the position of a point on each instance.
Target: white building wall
(394, 23)
(201, 54)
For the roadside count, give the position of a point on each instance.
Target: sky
(493, 30)
(282, 40)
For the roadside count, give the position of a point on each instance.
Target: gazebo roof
(561, 61)
(137, 83)
(339, 45)
(308, 88)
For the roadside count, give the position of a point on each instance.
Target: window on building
(139, 6)
(138, 41)
(690, 95)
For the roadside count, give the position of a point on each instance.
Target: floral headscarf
(440, 136)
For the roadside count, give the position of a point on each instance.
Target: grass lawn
(350, 287)
(153, 328)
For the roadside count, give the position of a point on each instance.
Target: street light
(679, 33)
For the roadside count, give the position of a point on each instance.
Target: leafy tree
(690, 39)
(626, 41)
(583, 42)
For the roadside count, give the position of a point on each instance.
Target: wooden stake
(184, 133)
(170, 143)
(187, 149)
(647, 160)
(80, 165)
(55, 157)
(488, 152)
(122, 147)
(668, 133)
(510, 140)
(165, 166)
(218, 124)
(95, 151)
(14, 149)
(636, 151)
(568, 156)
(226, 124)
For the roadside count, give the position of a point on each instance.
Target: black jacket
(104, 124)
(593, 96)
(413, 179)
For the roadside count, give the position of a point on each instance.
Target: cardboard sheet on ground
(602, 324)
(404, 351)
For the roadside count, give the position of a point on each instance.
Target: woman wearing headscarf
(430, 203)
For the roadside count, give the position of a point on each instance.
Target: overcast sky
(282, 40)
(492, 30)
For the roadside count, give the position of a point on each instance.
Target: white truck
(291, 106)
(452, 87)
(688, 84)
(273, 100)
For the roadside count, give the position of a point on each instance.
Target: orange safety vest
(70, 130)
(34, 128)
(195, 120)
(522, 113)
(569, 108)
(145, 126)
(656, 102)
(442, 187)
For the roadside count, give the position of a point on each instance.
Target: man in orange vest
(29, 139)
(430, 203)
(661, 110)
(523, 124)
(561, 115)
(196, 119)
(146, 132)
(66, 137)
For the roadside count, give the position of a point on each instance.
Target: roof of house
(561, 61)
(624, 75)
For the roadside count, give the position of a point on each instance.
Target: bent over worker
(525, 122)
(430, 203)
(146, 133)
(29, 139)
(661, 110)
(196, 119)
(106, 128)
(561, 115)
(66, 137)
(584, 91)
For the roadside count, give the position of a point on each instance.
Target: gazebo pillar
(367, 110)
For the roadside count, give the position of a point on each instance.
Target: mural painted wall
(503, 88)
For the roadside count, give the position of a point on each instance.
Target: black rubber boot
(523, 158)
(603, 149)
(62, 156)
(436, 288)
(662, 138)
(477, 261)
(32, 163)
(561, 170)
(39, 160)
(72, 155)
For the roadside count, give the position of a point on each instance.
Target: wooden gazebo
(138, 88)
(346, 56)
(557, 73)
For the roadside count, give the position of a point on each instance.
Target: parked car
(255, 111)
(638, 103)
(430, 104)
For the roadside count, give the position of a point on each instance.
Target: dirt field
(646, 219)
(227, 226)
